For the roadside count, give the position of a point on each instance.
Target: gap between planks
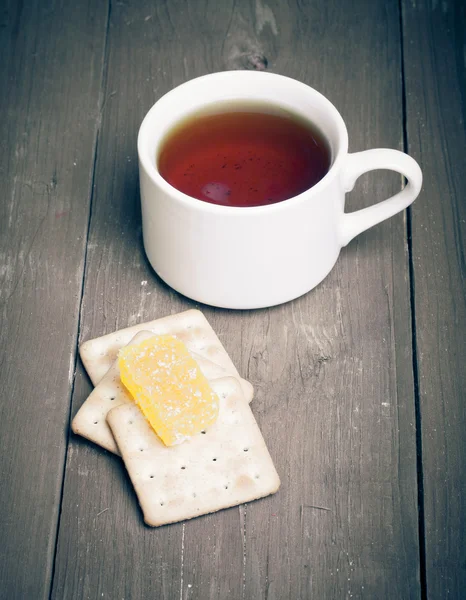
(417, 404)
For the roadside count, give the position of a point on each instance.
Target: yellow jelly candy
(169, 388)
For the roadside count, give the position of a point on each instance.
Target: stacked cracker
(227, 465)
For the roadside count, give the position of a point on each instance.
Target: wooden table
(359, 385)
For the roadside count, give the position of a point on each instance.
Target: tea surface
(244, 155)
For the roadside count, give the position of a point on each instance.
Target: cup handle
(358, 163)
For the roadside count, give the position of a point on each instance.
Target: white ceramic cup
(253, 257)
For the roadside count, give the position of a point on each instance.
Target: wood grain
(332, 370)
(51, 68)
(434, 42)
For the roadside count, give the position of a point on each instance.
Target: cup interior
(233, 86)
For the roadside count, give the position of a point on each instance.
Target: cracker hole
(130, 422)
(223, 395)
(96, 422)
(204, 431)
(256, 476)
(112, 398)
(226, 487)
(183, 467)
(214, 459)
(161, 504)
(194, 495)
(245, 449)
(152, 476)
(141, 449)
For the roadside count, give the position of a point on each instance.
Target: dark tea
(244, 154)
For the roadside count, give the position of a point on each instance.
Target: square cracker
(227, 466)
(191, 327)
(90, 420)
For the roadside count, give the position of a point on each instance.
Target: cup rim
(194, 203)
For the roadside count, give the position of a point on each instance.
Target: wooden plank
(339, 358)
(435, 71)
(332, 371)
(49, 102)
(112, 552)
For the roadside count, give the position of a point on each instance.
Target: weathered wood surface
(51, 59)
(435, 70)
(343, 402)
(332, 371)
